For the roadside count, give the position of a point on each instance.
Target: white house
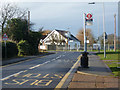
(59, 39)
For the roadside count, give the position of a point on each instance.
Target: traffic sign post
(85, 44)
(5, 38)
(87, 21)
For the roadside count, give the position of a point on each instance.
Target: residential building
(59, 40)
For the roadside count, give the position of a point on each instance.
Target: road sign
(89, 19)
(89, 16)
(5, 37)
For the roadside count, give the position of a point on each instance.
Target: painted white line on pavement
(11, 76)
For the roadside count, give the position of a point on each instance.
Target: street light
(103, 27)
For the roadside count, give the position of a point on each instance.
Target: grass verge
(112, 61)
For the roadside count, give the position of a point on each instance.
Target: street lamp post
(104, 30)
(103, 27)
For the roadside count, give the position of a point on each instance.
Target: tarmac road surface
(44, 72)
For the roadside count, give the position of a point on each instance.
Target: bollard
(84, 60)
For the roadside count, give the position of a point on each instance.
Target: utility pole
(115, 32)
(28, 21)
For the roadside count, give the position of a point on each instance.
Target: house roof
(73, 37)
(63, 33)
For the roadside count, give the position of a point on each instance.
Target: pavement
(97, 76)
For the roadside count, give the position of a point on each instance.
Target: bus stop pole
(85, 44)
(5, 50)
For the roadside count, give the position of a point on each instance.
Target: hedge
(11, 49)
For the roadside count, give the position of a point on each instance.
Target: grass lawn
(109, 55)
(112, 61)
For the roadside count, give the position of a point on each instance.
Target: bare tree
(89, 35)
(45, 32)
(9, 11)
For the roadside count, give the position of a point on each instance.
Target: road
(42, 72)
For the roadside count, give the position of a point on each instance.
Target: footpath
(98, 76)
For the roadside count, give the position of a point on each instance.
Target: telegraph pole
(115, 32)
(28, 21)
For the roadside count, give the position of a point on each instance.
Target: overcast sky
(64, 15)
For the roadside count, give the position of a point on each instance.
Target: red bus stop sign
(89, 16)
(89, 19)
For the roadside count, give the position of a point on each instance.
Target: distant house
(59, 39)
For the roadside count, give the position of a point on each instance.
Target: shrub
(11, 49)
(33, 40)
(23, 48)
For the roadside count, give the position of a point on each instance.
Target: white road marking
(39, 65)
(11, 76)
(45, 62)
(58, 57)
(35, 66)
(26, 70)
(53, 59)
